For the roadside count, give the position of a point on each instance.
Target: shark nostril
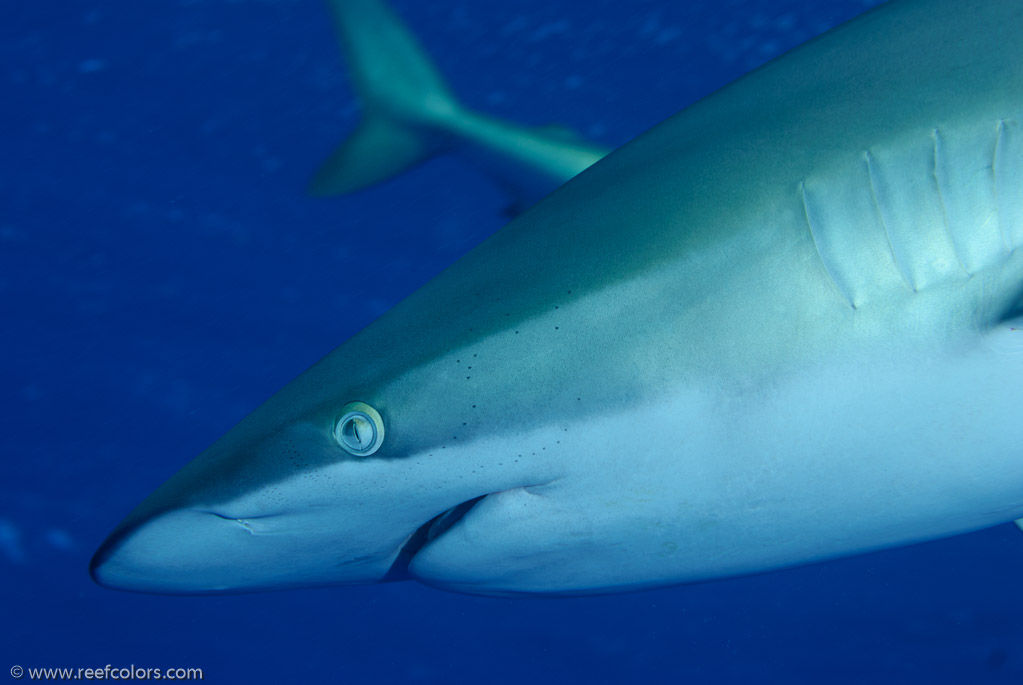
(360, 430)
(244, 523)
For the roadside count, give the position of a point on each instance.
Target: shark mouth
(429, 531)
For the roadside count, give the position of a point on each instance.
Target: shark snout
(175, 552)
(205, 551)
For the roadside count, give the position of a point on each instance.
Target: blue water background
(162, 272)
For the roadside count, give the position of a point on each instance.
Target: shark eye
(360, 430)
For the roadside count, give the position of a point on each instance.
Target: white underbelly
(866, 453)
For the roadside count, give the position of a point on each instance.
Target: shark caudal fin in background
(410, 114)
(404, 100)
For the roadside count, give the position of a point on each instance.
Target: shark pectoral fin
(378, 149)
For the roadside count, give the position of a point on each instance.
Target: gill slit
(820, 253)
(868, 158)
(937, 176)
(998, 151)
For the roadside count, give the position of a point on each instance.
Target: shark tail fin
(406, 102)
(376, 151)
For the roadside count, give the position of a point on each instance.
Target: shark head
(322, 485)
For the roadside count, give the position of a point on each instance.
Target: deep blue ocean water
(162, 272)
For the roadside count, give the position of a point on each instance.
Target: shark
(783, 326)
(410, 114)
